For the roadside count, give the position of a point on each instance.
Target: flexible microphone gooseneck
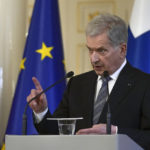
(24, 119)
(108, 117)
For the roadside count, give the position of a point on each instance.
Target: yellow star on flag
(63, 62)
(45, 51)
(22, 64)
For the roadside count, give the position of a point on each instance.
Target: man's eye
(101, 50)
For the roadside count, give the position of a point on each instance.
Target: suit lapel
(89, 100)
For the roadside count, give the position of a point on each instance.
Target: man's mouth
(97, 67)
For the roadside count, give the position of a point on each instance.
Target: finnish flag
(138, 53)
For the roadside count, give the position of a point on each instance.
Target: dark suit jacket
(129, 103)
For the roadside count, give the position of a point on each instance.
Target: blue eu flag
(43, 58)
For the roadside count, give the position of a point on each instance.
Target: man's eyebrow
(96, 48)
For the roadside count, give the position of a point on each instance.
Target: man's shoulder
(136, 72)
(86, 79)
(89, 74)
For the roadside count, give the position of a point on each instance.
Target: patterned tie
(101, 99)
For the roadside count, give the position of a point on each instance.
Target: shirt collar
(115, 75)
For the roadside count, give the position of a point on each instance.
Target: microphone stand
(108, 125)
(108, 117)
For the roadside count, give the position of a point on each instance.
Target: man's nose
(95, 57)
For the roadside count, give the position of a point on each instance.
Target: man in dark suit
(129, 88)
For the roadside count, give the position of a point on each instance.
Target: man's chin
(98, 72)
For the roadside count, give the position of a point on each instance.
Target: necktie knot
(105, 79)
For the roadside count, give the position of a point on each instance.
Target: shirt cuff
(40, 116)
(116, 129)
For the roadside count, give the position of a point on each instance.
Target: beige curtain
(12, 38)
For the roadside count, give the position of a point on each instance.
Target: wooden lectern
(70, 142)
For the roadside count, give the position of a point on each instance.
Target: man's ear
(123, 49)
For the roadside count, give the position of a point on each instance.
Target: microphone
(108, 117)
(24, 118)
(105, 74)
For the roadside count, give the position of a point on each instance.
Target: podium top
(70, 142)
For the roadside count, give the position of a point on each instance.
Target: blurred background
(15, 16)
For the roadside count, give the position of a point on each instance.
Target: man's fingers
(96, 129)
(88, 131)
(33, 93)
(37, 83)
(83, 131)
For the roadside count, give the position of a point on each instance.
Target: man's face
(103, 56)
